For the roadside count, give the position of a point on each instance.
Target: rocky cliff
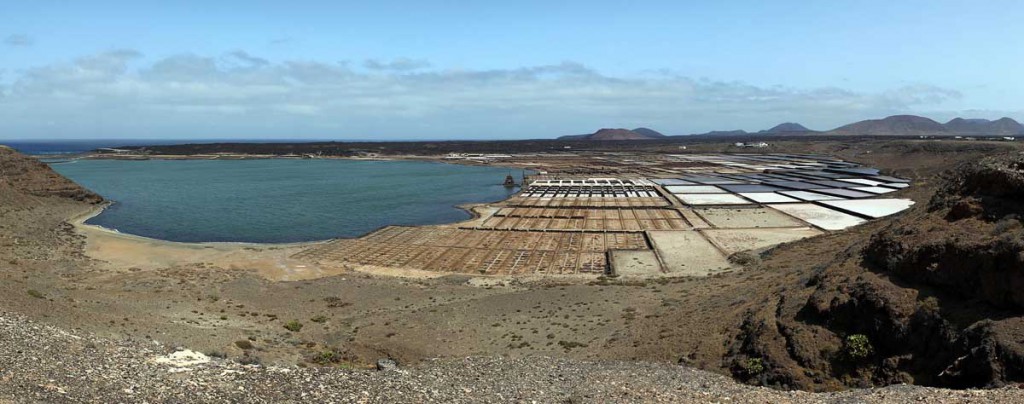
(28, 176)
(931, 297)
(34, 203)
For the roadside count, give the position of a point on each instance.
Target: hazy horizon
(393, 71)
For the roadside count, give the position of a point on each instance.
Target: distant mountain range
(787, 127)
(912, 125)
(985, 127)
(896, 125)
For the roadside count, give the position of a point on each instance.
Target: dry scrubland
(927, 297)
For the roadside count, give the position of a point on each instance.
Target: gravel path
(41, 363)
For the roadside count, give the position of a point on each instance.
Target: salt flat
(820, 216)
(687, 253)
(874, 208)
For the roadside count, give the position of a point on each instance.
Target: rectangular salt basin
(865, 171)
(897, 185)
(862, 181)
(745, 217)
(671, 181)
(768, 197)
(886, 178)
(810, 196)
(874, 190)
(750, 188)
(752, 177)
(833, 184)
(694, 189)
(723, 181)
(820, 216)
(873, 208)
(711, 180)
(793, 184)
(687, 253)
(711, 199)
(733, 240)
(845, 193)
(822, 174)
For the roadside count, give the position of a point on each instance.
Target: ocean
(57, 147)
(280, 200)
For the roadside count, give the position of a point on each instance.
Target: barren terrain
(788, 310)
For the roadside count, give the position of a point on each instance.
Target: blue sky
(480, 70)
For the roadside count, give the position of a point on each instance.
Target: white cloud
(400, 64)
(19, 40)
(238, 94)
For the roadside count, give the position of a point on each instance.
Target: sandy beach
(121, 252)
(126, 252)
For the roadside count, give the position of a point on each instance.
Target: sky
(404, 70)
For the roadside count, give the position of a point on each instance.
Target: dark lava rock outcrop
(933, 296)
(969, 240)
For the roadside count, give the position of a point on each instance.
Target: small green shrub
(857, 347)
(36, 294)
(293, 326)
(244, 344)
(325, 357)
(753, 366)
(930, 304)
(319, 319)
(568, 345)
(744, 259)
(1006, 225)
(248, 359)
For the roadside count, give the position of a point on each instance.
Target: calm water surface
(279, 201)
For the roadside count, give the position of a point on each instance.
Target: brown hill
(28, 176)
(786, 128)
(613, 134)
(896, 125)
(651, 133)
(985, 127)
(34, 202)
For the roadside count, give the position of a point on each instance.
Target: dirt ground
(236, 300)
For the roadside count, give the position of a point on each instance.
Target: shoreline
(240, 157)
(120, 251)
(80, 220)
(273, 261)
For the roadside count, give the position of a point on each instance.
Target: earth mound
(787, 128)
(26, 175)
(897, 125)
(651, 133)
(932, 297)
(613, 134)
(985, 127)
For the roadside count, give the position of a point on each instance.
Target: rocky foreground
(932, 296)
(39, 362)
